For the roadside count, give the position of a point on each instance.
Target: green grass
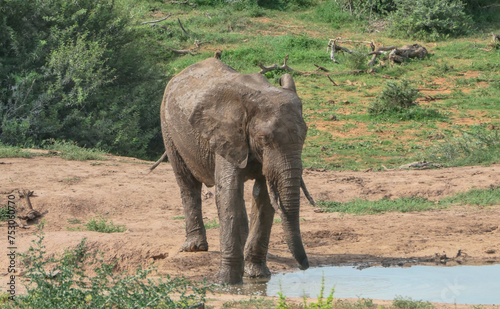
(66, 150)
(101, 225)
(71, 151)
(475, 197)
(478, 145)
(14, 152)
(408, 303)
(178, 218)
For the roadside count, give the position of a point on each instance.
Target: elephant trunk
(284, 189)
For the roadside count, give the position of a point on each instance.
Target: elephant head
(259, 128)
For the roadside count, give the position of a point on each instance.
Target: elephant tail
(163, 157)
(306, 192)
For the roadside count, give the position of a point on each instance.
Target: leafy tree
(429, 19)
(78, 70)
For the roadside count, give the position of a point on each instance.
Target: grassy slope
(455, 78)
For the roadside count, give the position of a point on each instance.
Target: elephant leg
(232, 219)
(190, 187)
(261, 221)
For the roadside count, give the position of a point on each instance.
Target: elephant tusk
(273, 197)
(306, 192)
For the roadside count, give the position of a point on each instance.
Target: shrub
(63, 282)
(77, 70)
(398, 101)
(429, 19)
(395, 97)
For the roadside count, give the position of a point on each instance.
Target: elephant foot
(257, 270)
(194, 246)
(230, 275)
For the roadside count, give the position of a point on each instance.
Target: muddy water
(471, 285)
(456, 284)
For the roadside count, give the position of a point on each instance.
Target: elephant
(221, 128)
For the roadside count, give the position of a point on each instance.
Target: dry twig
(182, 27)
(182, 2)
(284, 67)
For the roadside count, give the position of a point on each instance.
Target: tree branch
(284, 67)
(181, 52)
(157, 21)
(182, 27)
(182, 2)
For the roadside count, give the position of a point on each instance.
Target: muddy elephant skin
(222, 128)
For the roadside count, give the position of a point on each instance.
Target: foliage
(398, 101)
(395, 96)
(78, 71)
(429, 19)
(476, 146)
(330, 12)
(408, 303)
(101, 225)
(64, 282)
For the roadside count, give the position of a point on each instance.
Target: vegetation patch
(64, 282)
(476, 197)
(101, 225)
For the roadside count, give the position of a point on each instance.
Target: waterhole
(471, 285)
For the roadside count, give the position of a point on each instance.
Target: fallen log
(181, 51)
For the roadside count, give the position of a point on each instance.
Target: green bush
(64, 282)
(398, 102)
(78, 70)
(395, 97)
(429, 20)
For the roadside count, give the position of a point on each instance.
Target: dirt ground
(121, 189)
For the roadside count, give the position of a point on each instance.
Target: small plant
(4, 213)
(395, 97)
(277, 220)
(408, 303)
(178, 218)
(101, 225)
(398, 101)
(74, 221)
(212, 224)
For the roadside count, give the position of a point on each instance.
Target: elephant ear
(286, 81)
(220, 119)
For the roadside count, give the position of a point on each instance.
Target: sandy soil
(122, 190)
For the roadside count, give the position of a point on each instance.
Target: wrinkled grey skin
(222, 128)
